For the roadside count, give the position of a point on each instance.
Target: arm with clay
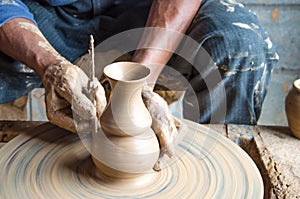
(64, 82)
(21, 39)
(168, 16)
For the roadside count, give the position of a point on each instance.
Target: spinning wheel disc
(53, 163)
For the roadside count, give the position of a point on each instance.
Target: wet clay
(43, 43)
(125, 146)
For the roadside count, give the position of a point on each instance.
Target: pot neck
(126, 84)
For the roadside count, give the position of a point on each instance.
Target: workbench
(274, 150)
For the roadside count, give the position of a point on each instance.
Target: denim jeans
(228, 73)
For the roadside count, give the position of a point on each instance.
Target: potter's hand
(65, 87)
(163, 122)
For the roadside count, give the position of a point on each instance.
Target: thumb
(100, 99)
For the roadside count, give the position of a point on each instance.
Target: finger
(157, 166)
(83, 106)
(72, 85)
(58, 111)
(100, 99)
(63, 119)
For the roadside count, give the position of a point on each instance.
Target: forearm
(171, 16)
(21, 39)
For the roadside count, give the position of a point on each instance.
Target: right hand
(66, 90)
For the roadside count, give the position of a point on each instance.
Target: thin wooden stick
(92, 52)
(91, 86)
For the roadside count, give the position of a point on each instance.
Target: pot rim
(296, 84)
(117, 77)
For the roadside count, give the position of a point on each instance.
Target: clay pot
(292, 108)
(127, 146)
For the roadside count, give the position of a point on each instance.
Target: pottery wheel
(53, 163)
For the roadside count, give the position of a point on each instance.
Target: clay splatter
(50, 49)
(269, 43)
(229, 73)
(259, 85)
(9, 2)
(242, 25)
(255, 26)
(230, 8)
(230, 5)
(239, 55)
(32, 28)
(251, 116)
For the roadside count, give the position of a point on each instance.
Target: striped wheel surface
(52, 163)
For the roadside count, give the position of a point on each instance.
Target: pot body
(126, 146)
(292, 108)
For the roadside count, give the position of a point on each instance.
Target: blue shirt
(10, 9)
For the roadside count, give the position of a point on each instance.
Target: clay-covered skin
(22, 40)
(66, 88)
(163, 122)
